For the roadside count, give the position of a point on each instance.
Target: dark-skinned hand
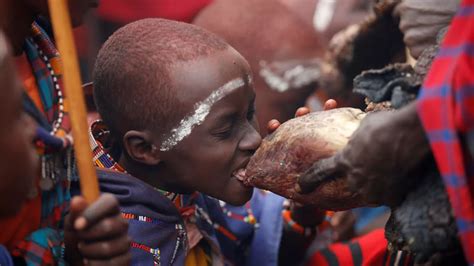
(378, 158)
(96, 234)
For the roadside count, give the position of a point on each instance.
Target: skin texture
(18, 162)
(393, 134)
(102, 227)
(421, 20)
(222, 144)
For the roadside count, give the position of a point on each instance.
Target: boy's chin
(238, 199)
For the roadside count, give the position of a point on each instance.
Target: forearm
(295, 242)
(293, 247)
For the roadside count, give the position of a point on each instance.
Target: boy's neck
(17, 23)
(148, 174)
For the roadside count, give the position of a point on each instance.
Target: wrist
(305, 215)
(302, 220)
(69, 249)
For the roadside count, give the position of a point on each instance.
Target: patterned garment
(45, 245)
(47, 68)
(367, 250)
(193, 229)
(446, 109)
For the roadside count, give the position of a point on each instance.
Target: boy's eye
(251, 112)
(224, 133)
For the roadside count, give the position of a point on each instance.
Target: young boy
(180, 128)
(40, 232)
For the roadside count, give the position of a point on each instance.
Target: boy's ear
(140, 147)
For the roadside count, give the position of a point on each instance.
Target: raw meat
(295, 146)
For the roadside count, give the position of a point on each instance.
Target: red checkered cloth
(446, 109)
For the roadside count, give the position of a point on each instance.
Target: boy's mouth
(239, 174)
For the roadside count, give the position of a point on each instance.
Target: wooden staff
(59, 13)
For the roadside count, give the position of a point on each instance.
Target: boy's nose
(251, 141)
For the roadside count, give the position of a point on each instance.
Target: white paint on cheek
(201, 110)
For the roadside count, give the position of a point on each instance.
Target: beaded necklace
(154, 251)
(59, 120)
(53, 141)
(200, 213)
(249, 218)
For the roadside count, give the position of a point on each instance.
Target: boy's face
(18, 159)
(208, 158)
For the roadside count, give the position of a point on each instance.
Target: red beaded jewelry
(289, 222)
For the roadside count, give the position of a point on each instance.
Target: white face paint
(201, 110)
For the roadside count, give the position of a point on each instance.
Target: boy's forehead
(201, 84)
(195, 80)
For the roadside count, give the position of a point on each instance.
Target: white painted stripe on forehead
(201, 110)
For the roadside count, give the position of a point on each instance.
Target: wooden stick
(59, 13)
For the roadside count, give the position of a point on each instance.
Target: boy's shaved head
(179, 102)
(133, 89)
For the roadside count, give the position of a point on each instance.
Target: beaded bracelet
(290, 223)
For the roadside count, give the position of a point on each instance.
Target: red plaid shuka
(366, 250)
(446, 109)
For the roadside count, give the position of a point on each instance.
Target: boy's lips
(239, 174)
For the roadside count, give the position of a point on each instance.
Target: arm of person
(378, 158)
(299, 230)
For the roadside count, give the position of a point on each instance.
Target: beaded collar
(98, 135)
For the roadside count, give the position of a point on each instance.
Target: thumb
(106, 206)
(77, 206)
(320, 172)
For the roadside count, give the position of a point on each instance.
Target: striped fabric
(446, 109)
(367, 250)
